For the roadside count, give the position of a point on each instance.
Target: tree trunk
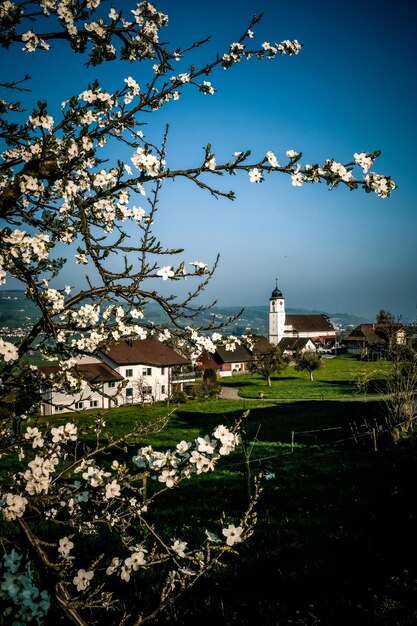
(269, 381)
(311, 376)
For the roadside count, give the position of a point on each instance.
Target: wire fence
(363, 433)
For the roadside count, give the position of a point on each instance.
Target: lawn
(337, 530)
(336, 534)
(337, 378)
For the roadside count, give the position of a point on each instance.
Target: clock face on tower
(281, 302)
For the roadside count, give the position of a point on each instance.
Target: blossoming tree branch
(62, 187)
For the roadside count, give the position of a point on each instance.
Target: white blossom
(166, 272)
(210, 164)
(255, 175)
(233, 534)
(112, 490)
(364, 160)
(179, 547)
(14, 506)
(36, 436)
(207, 88)
(82, 579)
(8, 351)
(297, 177)
(272, 159)
(65, 547)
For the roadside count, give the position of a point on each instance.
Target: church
(297, 332)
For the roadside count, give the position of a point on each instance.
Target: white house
(146, 365)
(102, 383)
(127, 372)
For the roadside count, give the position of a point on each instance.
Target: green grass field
(337, 378)
(337, 521)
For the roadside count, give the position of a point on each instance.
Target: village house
(147, 366)
(237, 361)
(227, 362)
(101, 386)
(294, 345)
(127, 372)
(372, 340)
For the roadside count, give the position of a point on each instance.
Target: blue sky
(351, 89)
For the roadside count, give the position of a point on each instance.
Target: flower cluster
(285, 47)
(23, 602)
(207, 88)
(187, 459)
(236, 52)
(92, 473)
(331, 171)
(8, 351)
(25, 247)
(146, 162)
(38, 475)
(381, 185)
(55, 299)
(125, 568)
(13, 506)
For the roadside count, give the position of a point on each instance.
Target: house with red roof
(100, 385)
(146, 365)
(128, 371)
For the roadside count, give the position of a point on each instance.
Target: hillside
(18, 314)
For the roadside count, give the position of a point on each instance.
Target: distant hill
(255, 319)
(17, 312)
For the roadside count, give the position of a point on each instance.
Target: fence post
(374, 439)
(353, 432)
(292, 441)
(246, 455)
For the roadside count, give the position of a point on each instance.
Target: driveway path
(230, 393)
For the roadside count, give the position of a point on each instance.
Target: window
(147, 371)
(162, 371)
(58, 408)
(79, 405)
(112, 384)
(129, 392)
(93, 403)
(162, 388)
(129, 373)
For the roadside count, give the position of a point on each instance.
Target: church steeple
(276, 315)
(277, 293)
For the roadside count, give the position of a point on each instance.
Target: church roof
(309, 323)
